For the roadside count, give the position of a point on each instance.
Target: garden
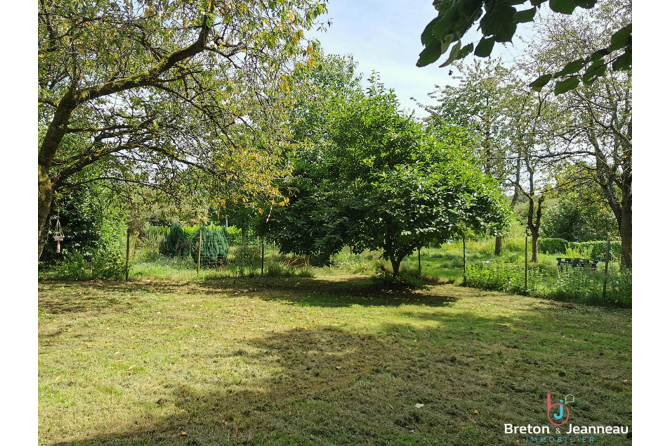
(244, 239)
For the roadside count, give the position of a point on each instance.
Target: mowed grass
(319, 361)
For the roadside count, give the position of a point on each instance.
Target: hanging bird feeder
(58, 234)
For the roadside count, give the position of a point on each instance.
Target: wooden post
(419, 261)
(199, 250)
(465, 279)
(262, 255)
(127, 250)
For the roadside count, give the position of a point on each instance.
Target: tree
(388, 184)
(596, 124)
(312, 225)
(478, 104)
(498, 20)
(146, 90)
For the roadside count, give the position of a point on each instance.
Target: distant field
(319, 361)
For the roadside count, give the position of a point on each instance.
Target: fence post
(525, 278)
(607, 263)
(127, 250)
(419, 261)
(199, 249)
(262, 255)
(465, 278)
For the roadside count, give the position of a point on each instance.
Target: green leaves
(566, 85)
(484, 47)
(498, 23)
(571, 68)
(526, 15)
(430, 54)
(540, 82)
(621, 38)
(623, 62)
(453, 54)
(563, 6)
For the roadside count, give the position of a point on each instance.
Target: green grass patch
(318, 360)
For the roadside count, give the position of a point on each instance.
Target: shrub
(108, 264)
(176, 244)
(214, 251)
(247, 258)
(552, 245)
(573, 284)
(73, 267)
(234, 235)
(514, 245)
(402, 280)
(599, 249)
(105, 263)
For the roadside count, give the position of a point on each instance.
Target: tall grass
(573, 284)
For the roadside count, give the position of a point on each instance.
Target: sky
(385, 36)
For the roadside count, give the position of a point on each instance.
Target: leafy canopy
(378, 180)
(498, 20)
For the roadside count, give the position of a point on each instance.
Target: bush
(149, 244)
(552, 245)
(176, 244)
(247, 258)
(599, 249)
(73, 267)
(214, 251)
(108, 264)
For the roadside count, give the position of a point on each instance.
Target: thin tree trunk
(535, 235)
(499, 241)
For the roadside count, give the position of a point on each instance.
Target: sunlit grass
(324, 360)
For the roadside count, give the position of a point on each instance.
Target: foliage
(214, 250)
(479, 104)
(595, 250)
(91, 220)
(380, 181)
(598, 249)
(247, 259)
(498, 23)
(594, 123)
(103, 264)
(175, 95)
(572, 284)
(576, 221)
(177, 243)
(552, 245)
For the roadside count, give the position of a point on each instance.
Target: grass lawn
(325, 360)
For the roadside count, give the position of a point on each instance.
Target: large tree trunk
(626, 232)
(395, 263)
(45, 199)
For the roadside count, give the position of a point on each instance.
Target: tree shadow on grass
(329, 386)
(331, 292)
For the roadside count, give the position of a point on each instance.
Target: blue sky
(384, 35)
